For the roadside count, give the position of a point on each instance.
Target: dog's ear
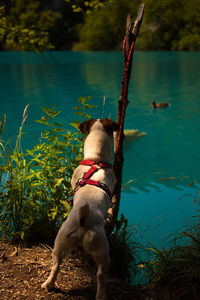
(85, 126)
(110, 125)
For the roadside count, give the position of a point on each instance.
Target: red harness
(94, 167)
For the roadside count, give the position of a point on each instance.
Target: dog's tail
(74, 223)
(84, 212)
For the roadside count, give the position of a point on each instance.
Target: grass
(124, 251)
(175, 271)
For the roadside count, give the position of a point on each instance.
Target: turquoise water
(164, 164)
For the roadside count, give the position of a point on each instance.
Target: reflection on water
(164, 163)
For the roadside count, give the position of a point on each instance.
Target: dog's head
(108, 125)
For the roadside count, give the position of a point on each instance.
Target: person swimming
(159, 105)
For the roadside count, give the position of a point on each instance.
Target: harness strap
(87, 162)
(85, 179)
(96, 183)
(90, 172)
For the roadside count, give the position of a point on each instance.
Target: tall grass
(175, 272)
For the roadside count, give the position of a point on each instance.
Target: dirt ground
(23, 270)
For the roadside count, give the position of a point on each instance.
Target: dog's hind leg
(102, 266)
(96, 244)
(59, 251)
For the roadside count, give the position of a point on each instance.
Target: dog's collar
(94, 167)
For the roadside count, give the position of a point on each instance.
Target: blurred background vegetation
(97, 24)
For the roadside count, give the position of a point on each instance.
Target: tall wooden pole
(132, 31)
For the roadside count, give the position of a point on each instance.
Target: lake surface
(164, 165)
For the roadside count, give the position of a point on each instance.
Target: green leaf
(22, 235)
(26, 221)
(55, 113)
(58, 130)
(87, 116)
(77, 107)
(79, 113)
(43, 120)
(57, 124)
(48, 111)
(75, 125)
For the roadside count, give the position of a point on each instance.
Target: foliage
(104, 29)
(15, 34)
(35, 185)
(170, 25)
(176, 269)
(34, 25)
(97, 24)
(88, 6)
(167, 25)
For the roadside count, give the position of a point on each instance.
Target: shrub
(35, 185)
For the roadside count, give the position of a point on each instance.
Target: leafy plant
(35, 185)
(123, 250)
(23, 36)
(37, 25)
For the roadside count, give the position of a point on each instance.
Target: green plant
(123, 250)
(176, 269)
(103, 28)
(35, 185)
(23, 36)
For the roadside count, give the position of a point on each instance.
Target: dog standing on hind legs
(93, 182)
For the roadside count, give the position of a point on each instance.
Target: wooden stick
(131, 36)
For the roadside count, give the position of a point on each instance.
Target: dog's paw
(47, 285)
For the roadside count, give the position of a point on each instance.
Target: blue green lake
(164, 165)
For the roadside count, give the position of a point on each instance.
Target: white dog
(93, 182)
